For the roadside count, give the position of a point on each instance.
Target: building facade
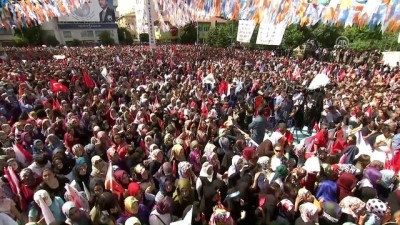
(128, 21)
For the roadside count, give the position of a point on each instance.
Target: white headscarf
(234, 167)
(203, 172)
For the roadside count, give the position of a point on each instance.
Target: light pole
(197, 33)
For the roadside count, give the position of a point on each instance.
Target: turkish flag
(56, 86)
(89, 82)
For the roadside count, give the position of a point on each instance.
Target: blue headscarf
(327, 190)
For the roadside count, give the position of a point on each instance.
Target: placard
(245, 30)
(270, 34)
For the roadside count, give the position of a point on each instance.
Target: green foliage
(51, 40)
(360, 38)
(20, 41)
(222, 35)
(75, 43)
(293, 37)
(144, 38)
(33, 35)
(189, 34)
(105, 38)
(124, 36)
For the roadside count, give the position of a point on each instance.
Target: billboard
(101, 11)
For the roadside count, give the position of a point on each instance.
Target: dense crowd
(196, 135)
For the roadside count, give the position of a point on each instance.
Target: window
(67, 34)
(87, 34)
(98, 32)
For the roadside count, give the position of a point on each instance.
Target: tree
(20, 41)
(51, 40)
(144, 38)
(124, 36)
(33, 35)
(326, 35)
(294, 36)
(76, 42)
(189, 34)
(105, 38)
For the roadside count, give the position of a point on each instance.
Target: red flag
(223, 87)
(89, 82)
(110, 182)
(155, 103)
(56, 105)
(76, 197)
(257, 102)
(204, 110)
(56, 86)
(22, 155)
(15, 187)
(316, 127)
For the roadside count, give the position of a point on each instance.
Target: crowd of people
(195, 135)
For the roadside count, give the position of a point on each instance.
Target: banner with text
(245, 30)
(150, 22)
(270, 34)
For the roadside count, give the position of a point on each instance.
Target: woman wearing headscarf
(39, 148)
(27, 141)
(62, 165)
(99, 168)
(45, 204)
(96, 188)
(234, 170)
(206, 177)
(156, 160)
(228, 153)
(367, 186)
(133, 221)
(346, 185)
(134, 209)
(161, 213)
(144, 198)
(53, 142)
(385, 184)
(141, 175)
(308, 214)
(349, 154)
(250, 155)
(177, 155)
(166, 188)
(74, 215)
(122, 178)
(195, 156)
(286, 214)
(376, 211)
(279, 175)
(112, 156)
(327, 191)
(183, 196)
(352, 209)
(81, 174)
(260, 178)
(331, 213)
(185, 171)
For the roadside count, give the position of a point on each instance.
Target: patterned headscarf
(377, 207)
(352, 206)
(308, 212)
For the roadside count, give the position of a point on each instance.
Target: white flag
(245, 30)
